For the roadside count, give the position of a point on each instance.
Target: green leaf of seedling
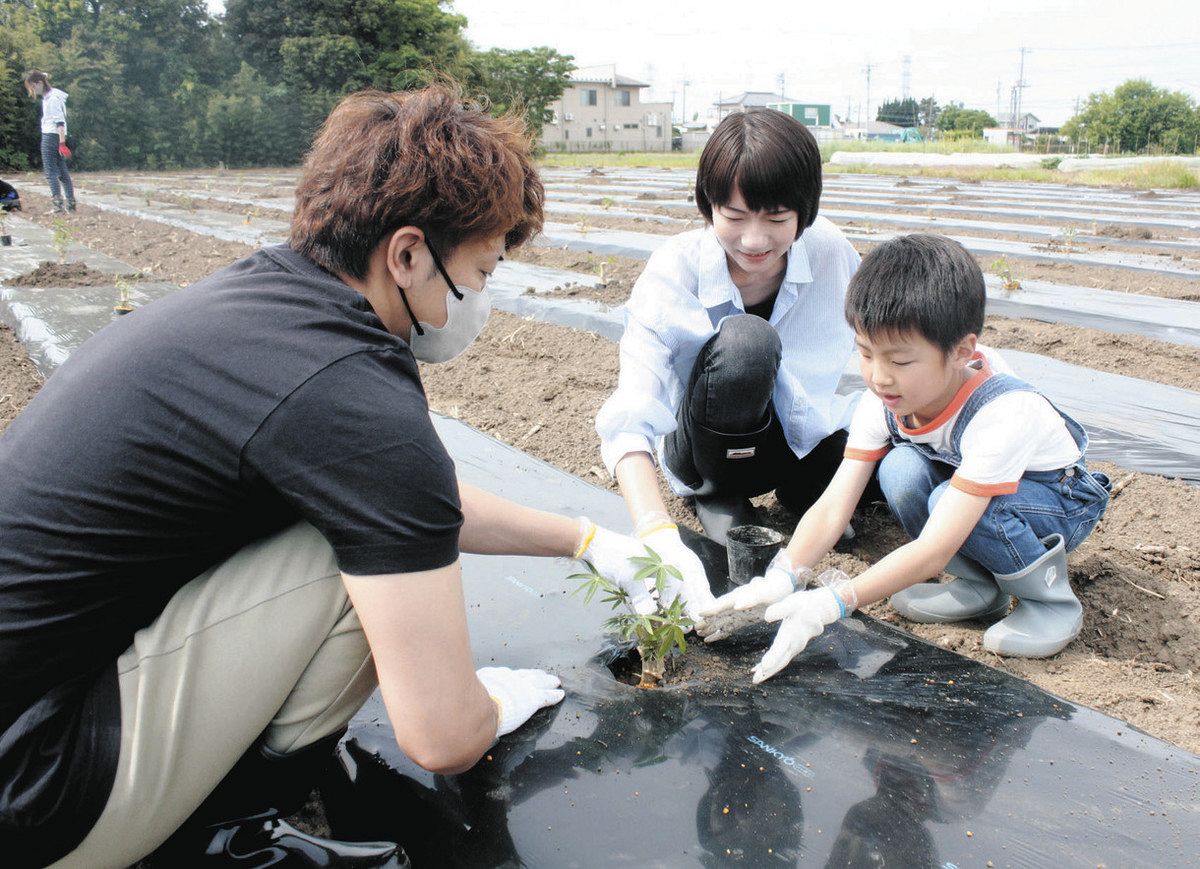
(674, 571)
(657, 558)
(649, 570)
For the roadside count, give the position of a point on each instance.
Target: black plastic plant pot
(872, 748)
(751, 548)
(5, 241)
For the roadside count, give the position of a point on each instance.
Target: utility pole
(868, 69)
(905, 77)
(1020, 87)
(683, 106)
(781, 80)
(997, 102)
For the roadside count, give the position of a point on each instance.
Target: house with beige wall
(601, 110)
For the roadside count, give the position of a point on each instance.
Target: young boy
(982, 471)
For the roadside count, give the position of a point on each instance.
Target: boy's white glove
(662, 535)
(746, 604)
(804, 616)
(609, 553)
(518, 694)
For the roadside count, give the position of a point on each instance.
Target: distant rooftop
(604, 74)
(755, 99)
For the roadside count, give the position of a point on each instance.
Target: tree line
(1136, 116)
(162, 84)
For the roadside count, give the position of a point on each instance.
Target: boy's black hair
(770, 157)
(923, 283)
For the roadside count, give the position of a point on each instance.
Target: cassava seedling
(1001, 269)
(62, 238)
(658, 635)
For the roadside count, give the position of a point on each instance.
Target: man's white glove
(609, 553)
(518, 694)
(746, 604)
(804, 616)
(657, 531)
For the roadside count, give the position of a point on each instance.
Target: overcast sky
(960, 50)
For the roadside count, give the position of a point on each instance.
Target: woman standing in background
(55, 152)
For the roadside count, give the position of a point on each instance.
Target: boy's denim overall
(1008, 538)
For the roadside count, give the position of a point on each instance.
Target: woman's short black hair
(923, 283)
(770, 157)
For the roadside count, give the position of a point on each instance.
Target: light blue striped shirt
(678, 303)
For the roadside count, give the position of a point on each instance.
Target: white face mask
(467, 312)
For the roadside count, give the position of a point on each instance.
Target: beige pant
(265, 644)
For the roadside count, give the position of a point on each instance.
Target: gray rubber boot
(972, 594)
(719, 513)
(1048, 615)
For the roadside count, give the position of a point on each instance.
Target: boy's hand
(64, 150)
(746, 604)
(609, 553)
(804, 616)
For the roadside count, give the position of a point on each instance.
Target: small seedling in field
(583, 227)
(606, 203)
(1066, 238)
(658, 635)
(123, 305)
(1001, 269)
(62, 238)
(186, 201)
(249, 217)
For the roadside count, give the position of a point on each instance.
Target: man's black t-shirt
(267, 393)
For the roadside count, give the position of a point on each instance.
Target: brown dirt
(633, 224)
(19, 380)
(1131, 355)
(69, 274)
(619, 272)
(160, 252)
(538, 387)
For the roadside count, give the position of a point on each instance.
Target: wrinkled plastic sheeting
(1137, 424)
(52, 321)
(922, 158)
(1163, 319)
(872, 748)
(1152, 316)
(217, 224)
(521, 288)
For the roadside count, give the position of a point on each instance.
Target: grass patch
(625, 159)
(1168, 174)
(961, 146)
(958, 173)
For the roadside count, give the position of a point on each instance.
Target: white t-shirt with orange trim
(1013, 433)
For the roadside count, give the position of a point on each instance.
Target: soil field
(538, 387)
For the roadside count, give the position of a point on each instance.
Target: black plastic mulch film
(872, 748)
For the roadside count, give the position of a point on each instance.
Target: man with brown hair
(206, 563)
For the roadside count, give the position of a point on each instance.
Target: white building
(601, 110)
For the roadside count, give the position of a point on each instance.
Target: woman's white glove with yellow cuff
(746, 605)
(661, 534)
